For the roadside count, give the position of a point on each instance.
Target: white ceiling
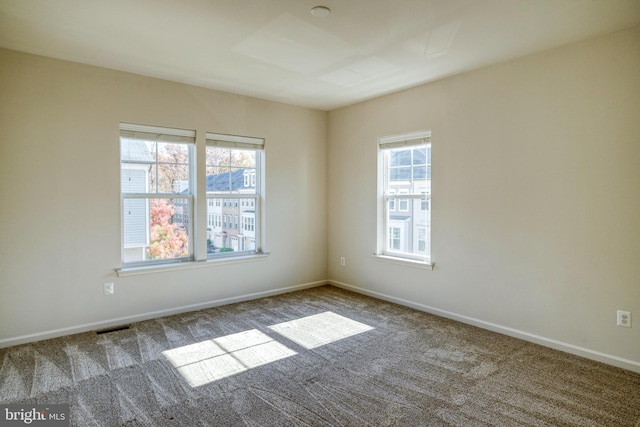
(276, 50)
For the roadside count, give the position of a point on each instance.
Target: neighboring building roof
(221, 181)
(135, 151)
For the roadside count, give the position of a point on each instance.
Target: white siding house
(134, 178)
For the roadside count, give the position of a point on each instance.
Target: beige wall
(59, 209)
(536, 196)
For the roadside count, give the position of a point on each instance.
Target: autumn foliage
(167, 239)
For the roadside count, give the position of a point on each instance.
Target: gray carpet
(318, 357)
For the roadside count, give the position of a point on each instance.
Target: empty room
(321, 213)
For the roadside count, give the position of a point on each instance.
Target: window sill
(426, 265)
(151, 269)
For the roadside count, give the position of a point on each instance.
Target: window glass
(156, 193)
(405, 166)
(232, 173)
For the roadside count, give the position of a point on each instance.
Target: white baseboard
(609, 359)
(547, 342)
(55, 333)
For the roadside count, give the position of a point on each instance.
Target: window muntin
(156, 193)
(234, 183)
(405, 169)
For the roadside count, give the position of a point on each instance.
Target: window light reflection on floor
(211, 360)
(319, 329)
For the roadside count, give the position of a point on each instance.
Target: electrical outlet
(108, 288)
(624, 318)
(343, 261)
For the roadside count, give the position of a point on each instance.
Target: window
(422, 239)
(234, 175)
(405, 168)
(424, 204)
(159, 192)
(156, 194)
(404, 203)
(394, 238)
(248, 223)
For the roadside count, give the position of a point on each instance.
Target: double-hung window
(405, 221)
(234, 170)
(156, 183)
(160, 198)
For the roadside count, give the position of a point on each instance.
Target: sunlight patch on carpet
(319, 329)
(207, 361)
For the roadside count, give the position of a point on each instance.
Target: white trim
(401, 198)
(412, 262)
(412, 196)
(55, 333)
(239, 196)
(157, 130)
(187, 265)
(157, 196)
(598, 356)
(234, 141)
(405, 139)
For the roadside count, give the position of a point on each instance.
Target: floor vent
(114, 329)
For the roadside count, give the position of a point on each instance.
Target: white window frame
(158, 135)
(385, 197)
(197, 222)
(236, 200)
